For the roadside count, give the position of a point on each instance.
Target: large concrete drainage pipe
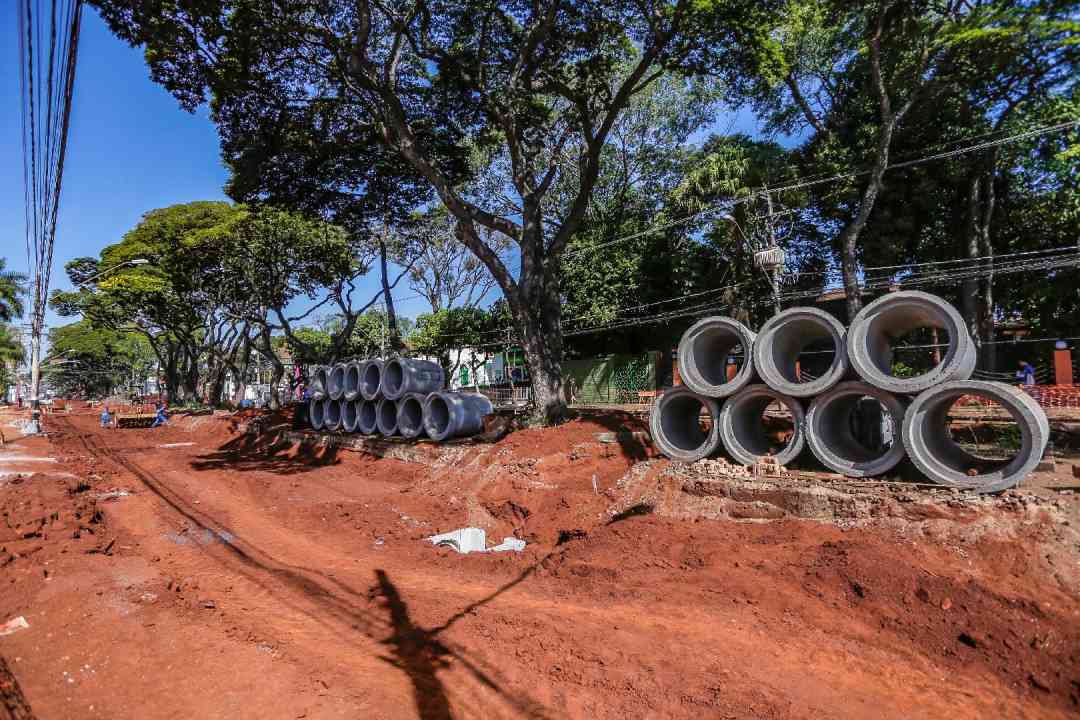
(349, 415)
(318, 383)
(780, 342)
(934, 452)
(352, 380)
(335, 381)
(746, 435)
(450, 414)
(331, 414)
(367, 417)
(835, 437)
(677, 428)
(386, 416)
(410, 415)
(408, 375)
(315, 412)
(873, 331)
(371, 379)
(703, 356)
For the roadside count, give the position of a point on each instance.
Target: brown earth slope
(193, 572)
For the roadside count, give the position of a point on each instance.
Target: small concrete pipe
(352, 380)
(386, 416)
(315, 413)
(408, 375)
(452, 414)
(869, 340)
(784, 336)
(335, 381)
(331, 414)
(349, 414)
(367, 416)
(833, 439)
(410, 415)
(318, 383)
(743, 432)
(371, 379)
(942, 460)
(676, 428)
(703, 356)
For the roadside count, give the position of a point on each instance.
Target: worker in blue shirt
(106, 418)
(160, 418)
(1026, 374)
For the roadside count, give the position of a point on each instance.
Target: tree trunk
(986, 283)
(849, 237)
(394, 339)
(969, 287)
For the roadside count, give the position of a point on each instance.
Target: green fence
(612, 379)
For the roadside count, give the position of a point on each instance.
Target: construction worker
(160, 418)
(106, 418)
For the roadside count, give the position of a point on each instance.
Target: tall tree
(850, 74)
(12, 290)
(538, 81)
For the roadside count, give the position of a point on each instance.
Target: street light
(133, 261)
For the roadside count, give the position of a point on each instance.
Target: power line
(813, 181)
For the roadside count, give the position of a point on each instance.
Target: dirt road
(188, 572)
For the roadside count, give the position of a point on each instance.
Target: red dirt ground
(253, 578)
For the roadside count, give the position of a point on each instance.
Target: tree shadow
(275, 454)
(416, 652)
(335, 605)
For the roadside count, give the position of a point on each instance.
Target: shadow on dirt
(272, 454)
(341, 609)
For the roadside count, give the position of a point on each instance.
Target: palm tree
(11, 354)
(12, 289)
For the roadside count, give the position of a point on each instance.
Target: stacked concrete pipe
(315, 412)
(331, 410)
(392, 398)
(352, 379)
(349, 415)
(370, 378)
(690, 423)
(455, 414)
(335, 381)
(367, 414)
(410, 415)
(318, 383)
(401, 376)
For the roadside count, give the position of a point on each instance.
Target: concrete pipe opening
(367, 417)
(349, 415)
(316, 413)
(371, 379)
(759, 421)
(969, 452)
(409, 375)
(386, 416)
(801, 352)
(684, 425)
(410, 415)
(352, 380)
(331, 414)
(318, 383)
(716, 357)
(335, 381)
(854, 429)
(906, 342)
(451, 414)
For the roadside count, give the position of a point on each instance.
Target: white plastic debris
(509, 543)
(14, 625)
(471, 539)
(465, 540)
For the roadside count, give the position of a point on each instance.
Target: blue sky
(131, 149)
